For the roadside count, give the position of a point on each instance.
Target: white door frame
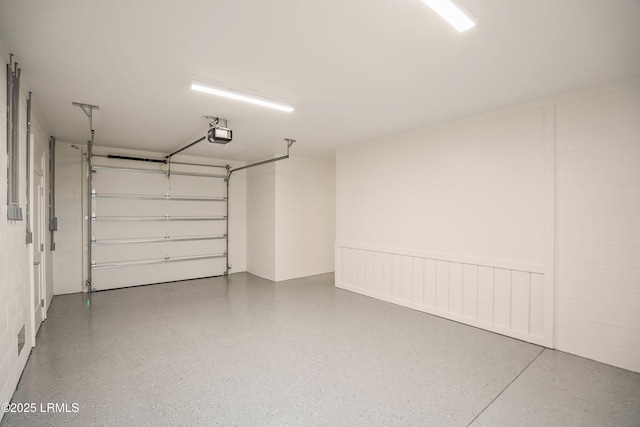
(38, 220)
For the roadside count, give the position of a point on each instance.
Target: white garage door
(154, 223)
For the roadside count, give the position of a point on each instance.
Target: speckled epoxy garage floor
(246, 351)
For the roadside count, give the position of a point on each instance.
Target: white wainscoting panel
(499, 296)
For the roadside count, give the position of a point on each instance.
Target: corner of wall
(598, 220)
(261, 222)
(305, 217)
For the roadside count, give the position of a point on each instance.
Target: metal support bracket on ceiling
(216, 121)
(88, 110)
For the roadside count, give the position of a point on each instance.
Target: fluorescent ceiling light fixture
(241, 96)
(454, 13)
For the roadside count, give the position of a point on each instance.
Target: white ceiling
(355, 69)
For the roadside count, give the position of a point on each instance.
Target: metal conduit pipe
(53, 221)
(29, 237)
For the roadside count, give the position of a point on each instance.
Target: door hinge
(41, 247)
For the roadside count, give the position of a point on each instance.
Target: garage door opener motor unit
(218, 134)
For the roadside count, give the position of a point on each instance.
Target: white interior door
(38, 229)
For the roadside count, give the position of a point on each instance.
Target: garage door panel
(137, 229)
(109, 253)
(129, 207)
(126, 182)
(109, 207)
(149, 227)
(193, 186)
(113, 278)
(189, 228)
(195, 208)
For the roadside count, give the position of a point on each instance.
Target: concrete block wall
(15, 255)
(598, 224)
(14, 302)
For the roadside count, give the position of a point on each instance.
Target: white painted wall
(465, 200)
(452, 221)
(68, 256)
(474, 188)
(305, 217)
(291, 218)
(261, 221)
(15, 254)
(598, 211)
